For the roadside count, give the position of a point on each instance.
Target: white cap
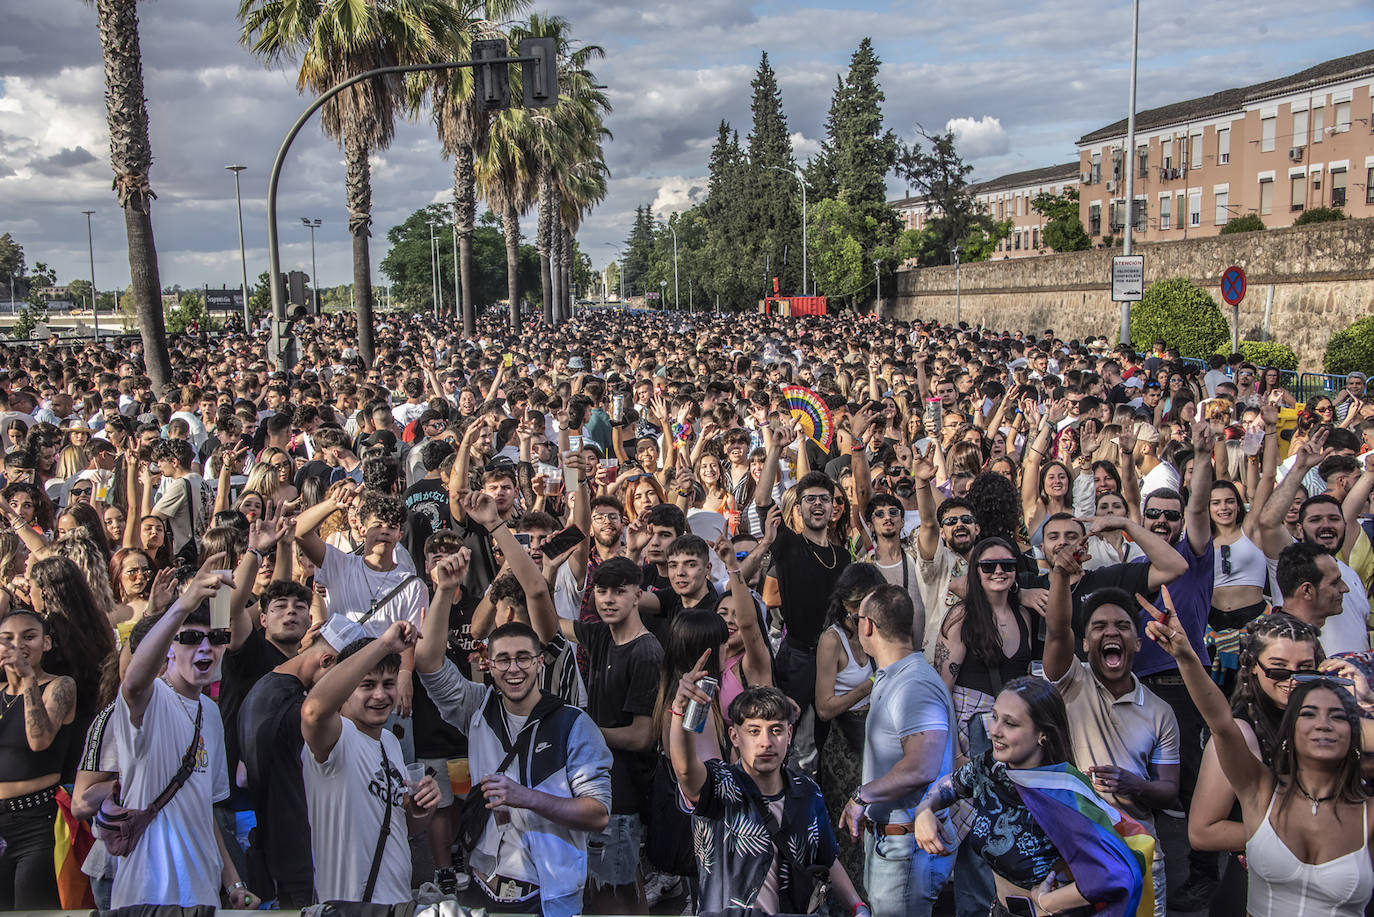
(339, 632)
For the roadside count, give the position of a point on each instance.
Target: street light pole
(313, 225)
(798, 176)
(1128, 158)
(954, 252)
(243, 257)
(433, 271)
(90, 248)
(878, 280)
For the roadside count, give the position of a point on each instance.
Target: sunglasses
(1004, 565)
(81, 492)
(194, 637)
(1302, 676)
(965, 519)
(887, 512)
(1172, 515)
(741, 555)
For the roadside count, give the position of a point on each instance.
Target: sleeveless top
(17, 760)
(731, 685)
(853, 674)
(1281, 885)
(976, 675)
(1245, 561)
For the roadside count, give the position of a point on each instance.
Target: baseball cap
(339, 632)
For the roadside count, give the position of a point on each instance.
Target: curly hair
(996, 505)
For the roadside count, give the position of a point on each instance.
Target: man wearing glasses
(943, 543)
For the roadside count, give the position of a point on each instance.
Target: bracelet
(675, 713)
(236, 886)
(260, 555)
(857, 797)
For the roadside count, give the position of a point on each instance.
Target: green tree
(189, 312)
(1351, 348)
(11, 258)
(940, 175)
(407, 262)
(1182, 315)
(79, 292)
(1250, 222)
(839, 260)
(41, 276)
(335, 41)
(506, 177)
(731, 278)
(1320, 215)
(1064, 230)
(772, 199)
(131, 156)
(260, 297)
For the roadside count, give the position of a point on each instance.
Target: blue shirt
(908, 697)
(1192, 595)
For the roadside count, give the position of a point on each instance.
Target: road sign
(1128, 278)
(1233, 285)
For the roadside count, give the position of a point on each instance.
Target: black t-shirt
(242, 669)
(427, 512)
(622, 683)
(806, 577)
(269, 736)
(1132, 577)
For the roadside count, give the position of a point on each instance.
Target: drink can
(694, 720)
(618, 407)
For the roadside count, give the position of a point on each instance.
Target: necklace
(8, 703)
(1315, 800)
(834, 558)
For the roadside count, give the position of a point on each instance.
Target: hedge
(1183, 316)
(1352, 348)
(1265, 353)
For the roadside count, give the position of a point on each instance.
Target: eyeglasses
(965, 519)
(280, 465)
(887, 512)
(741, 555)
(606, 517)
(1003, 565)
(138, 571)
(816, 499)
(1325, 410)
(194, 637)
(1301, 676)
(1171, 515)
(521, 662)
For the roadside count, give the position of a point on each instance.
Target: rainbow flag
(73, 841)
(1109, 854)
(811, 413)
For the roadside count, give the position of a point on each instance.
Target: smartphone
(1019, 906)
(219, 606)
(523, 538)
(562, 541)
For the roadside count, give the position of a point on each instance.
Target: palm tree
(583, 188)
(338, 39)
(506, 178)
(131, 156)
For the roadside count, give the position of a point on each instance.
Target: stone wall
(1321, 278)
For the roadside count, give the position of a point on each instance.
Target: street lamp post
(1128, 157)
(954, 254)
(677, 300)
(243, 257)
(313, 225)
(620, 267)
(663, 294)
(90, 248)
(798, 176)
(434, 269)
(878, 280)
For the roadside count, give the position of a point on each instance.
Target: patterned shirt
(1002, 829)
(734, 847)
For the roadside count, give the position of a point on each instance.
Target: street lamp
(620, 267)
(798, 176)
(954, 255)
(243, 257)
(1128, 155)
(313, 225)
(677, 302)
(90, 248)
(878, 279)
(663, 294)
(434, 268)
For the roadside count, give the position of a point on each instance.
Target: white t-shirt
(177, 860)
(171, 505)
(1162, 476)
(404, 413)
(352, 587)
(567, 594)
(1348, 632)
(344, 795)
(198, 434)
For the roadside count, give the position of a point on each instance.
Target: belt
(891, 830)
(503, 890)
(29, 801)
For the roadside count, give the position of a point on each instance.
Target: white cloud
(802, 147)
(977, 138)
(678, 193)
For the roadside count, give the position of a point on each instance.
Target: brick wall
(1322, 278)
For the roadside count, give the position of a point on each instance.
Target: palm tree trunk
(358, 189)
(566, 269)
(556, 268)
(546, 244)
(510, 220)
(131, 156)
(465, 217)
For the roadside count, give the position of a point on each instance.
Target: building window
(1318, 124)
(1095, 217)
(1142, 155)
(1118, 218)
(1116, 165)
(1369, 185)
(1183, 153)
(1267, 196)
(1342, 117)
(1195, 146)
(1338, 188)
(1195, 208)
(1299, 128)
(1164, 212)
(1096, 169)
(1140, 214)
(1017, 237)
(1166, 151)
(1223, 146)
(1035, 238)
(1298, 194)
(1222, 214)
(1267, 135)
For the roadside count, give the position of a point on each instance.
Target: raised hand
(923, 466)
(399, 637)
(1165, 629)
(450, 570)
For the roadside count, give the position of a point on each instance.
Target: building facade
(1274, 149)
(1008, 197)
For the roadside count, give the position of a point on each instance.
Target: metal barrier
(1311, 385)
(1195, 363)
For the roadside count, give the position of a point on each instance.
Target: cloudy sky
(1018, 80)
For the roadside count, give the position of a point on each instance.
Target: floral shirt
(734, 847)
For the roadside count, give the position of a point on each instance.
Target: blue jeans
(902, 879)
(974, 887)
(613, 854)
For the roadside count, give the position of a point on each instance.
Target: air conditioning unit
(1085, 178)
(1295, 153)
(1111, 185)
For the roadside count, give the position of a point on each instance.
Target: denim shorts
(613, 854)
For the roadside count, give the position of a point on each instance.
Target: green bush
(1265, 353)
(1248, 223)
(1183, 316)
(1320, 215)
(1352, 348)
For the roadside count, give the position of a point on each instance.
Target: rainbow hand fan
(811, 413)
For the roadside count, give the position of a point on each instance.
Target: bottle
(694, 720)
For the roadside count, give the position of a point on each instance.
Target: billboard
(224, 300)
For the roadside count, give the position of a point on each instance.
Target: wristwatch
(857, 797)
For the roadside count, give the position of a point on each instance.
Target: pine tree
(726, 213)
(775, 240)
(639, 250)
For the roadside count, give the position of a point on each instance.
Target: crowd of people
(590, 618)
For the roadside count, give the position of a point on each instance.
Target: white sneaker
(660, 887)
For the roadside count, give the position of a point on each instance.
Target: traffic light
(491, 82)
(540, 78)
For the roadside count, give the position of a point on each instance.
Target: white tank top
(1244, 560)
(1281, 885)
(853, 674)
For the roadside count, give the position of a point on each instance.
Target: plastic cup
(414, 774)
(458, 777)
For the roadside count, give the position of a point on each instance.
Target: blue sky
(1019, 80)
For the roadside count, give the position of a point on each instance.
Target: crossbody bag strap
(387, 598)
(780, 845)
(188, 766)
(383, 833)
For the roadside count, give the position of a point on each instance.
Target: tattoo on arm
(942, 794)
(954, 668)
(942, 656)
(37, 723)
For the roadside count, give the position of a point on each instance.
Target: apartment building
(1007, 197)
(1274, 149)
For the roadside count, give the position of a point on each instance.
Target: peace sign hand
(1165, 629)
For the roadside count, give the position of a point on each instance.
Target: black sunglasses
(1005, 565)
(965, 519)
(1172, 515)
(194, 637)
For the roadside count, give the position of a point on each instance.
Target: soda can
(618, 407)
(694, 720)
